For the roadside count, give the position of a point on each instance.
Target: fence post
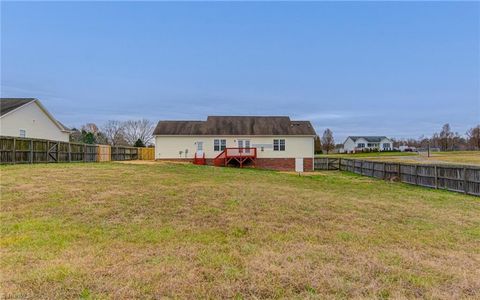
(399, 173)
(69, 153)
(14, 150)
(84, 153)
(31, 151)
(339, 163)
(384, 171)
(436, 176)
(465, 180)
(361, 167)
(416, 174)
(327, 163)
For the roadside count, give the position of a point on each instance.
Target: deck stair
(199, 160)
(236, 156)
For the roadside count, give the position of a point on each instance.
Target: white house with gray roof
(28, 118)
(361, 143)
(269, 142)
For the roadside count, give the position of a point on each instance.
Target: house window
(279, 145)
(23, 133)
(219, 145)
(386, 146)
(361, 145)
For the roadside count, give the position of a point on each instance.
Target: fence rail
(457, 178)
(15, 150)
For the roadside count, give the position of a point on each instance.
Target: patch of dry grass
(454, 157)
(450, 157)
(109, 230)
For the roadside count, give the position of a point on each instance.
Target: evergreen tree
(139, 143)
(89, 138)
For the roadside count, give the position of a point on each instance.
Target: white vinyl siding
(35, 123)
(298, 146)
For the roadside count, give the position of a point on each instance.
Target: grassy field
(369, 154)
(123, 231)
(452, 157)
(456, 157)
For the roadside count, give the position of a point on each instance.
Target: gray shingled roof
(9, 104)
(371, 139)
(236, 125)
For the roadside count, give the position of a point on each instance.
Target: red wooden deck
(239, 155)
(199, 160)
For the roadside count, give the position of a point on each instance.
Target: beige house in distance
(28, 118)
(272, 142)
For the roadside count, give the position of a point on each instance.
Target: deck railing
(241, 152)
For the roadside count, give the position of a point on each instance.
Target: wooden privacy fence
(146, 153)
(457, 178)
(15, 150)
(104, 153)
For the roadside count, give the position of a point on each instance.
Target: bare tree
(114, 132)
(446, 136)
(138, 130)
(98, 136)
(91, 127)
(473, 135)
(76, 136)
(328, 143)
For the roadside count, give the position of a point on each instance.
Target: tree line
(445, 140)
(137, 133)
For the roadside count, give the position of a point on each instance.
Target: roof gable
(9, 105)
(236, 125)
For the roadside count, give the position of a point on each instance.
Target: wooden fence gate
(52, 152)
(327, 164)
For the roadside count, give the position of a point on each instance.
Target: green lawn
(124, 231)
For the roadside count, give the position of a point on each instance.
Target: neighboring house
(362, 143)
(276, 142)
(27, 117)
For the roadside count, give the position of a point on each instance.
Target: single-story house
(361, 143)
(273, 142)
(28, 118)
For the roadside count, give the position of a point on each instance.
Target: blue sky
(373, 68)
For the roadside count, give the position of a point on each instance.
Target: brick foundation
(308, 164)
(283, 164)
(279, 164)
